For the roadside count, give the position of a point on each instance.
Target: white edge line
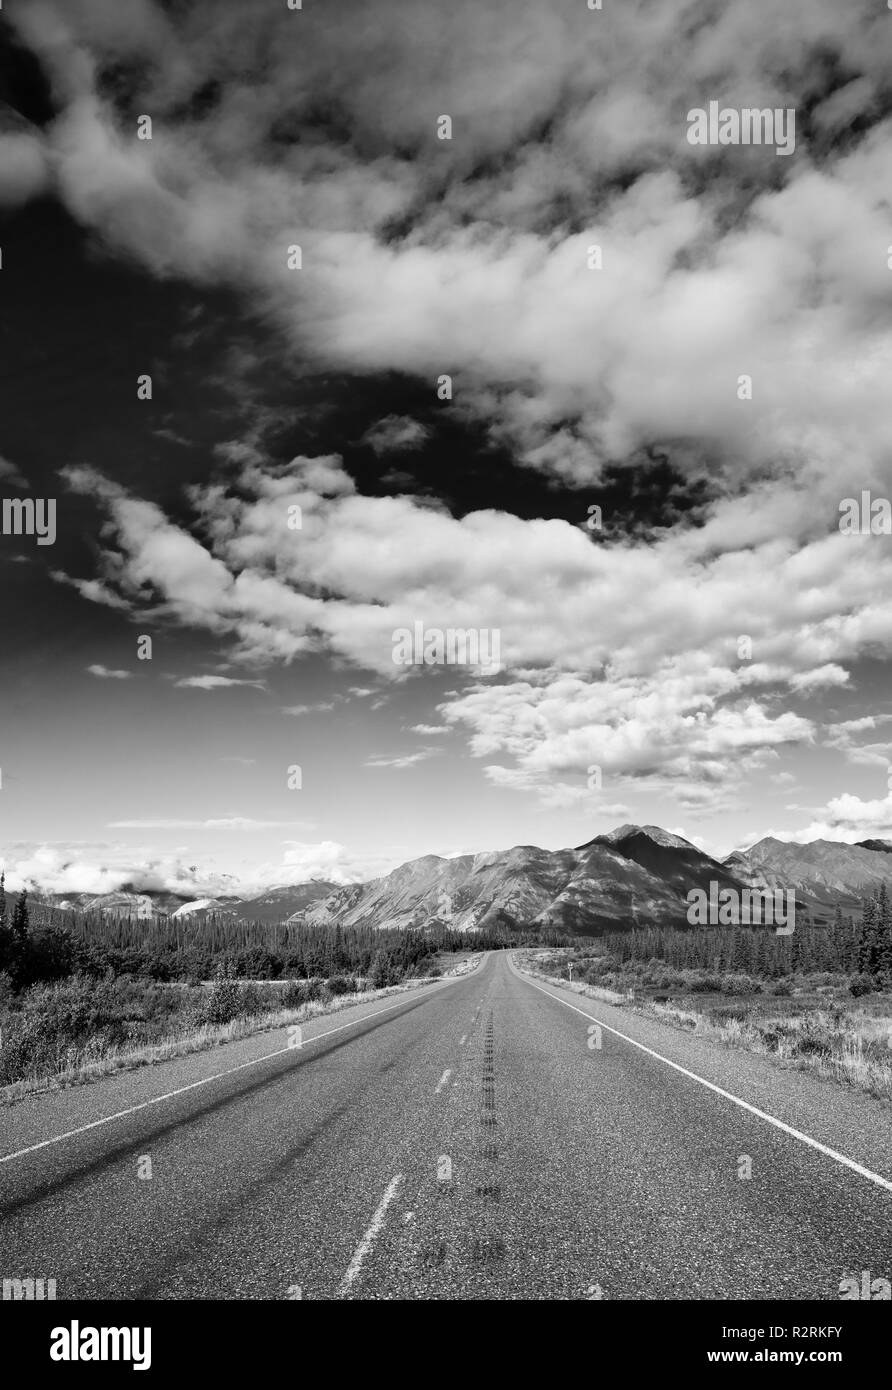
(369, 1238)
(726, 1095)
(205, 1081)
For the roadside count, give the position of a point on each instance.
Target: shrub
(295, 994)
(299, 992)
(224, 1003)
(705, 984)
(861, 984)
(740, 984)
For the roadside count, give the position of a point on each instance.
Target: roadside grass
(807, 1023)
(76, 1032)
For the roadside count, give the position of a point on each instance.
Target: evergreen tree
(867, 945)
(884, 933)
(838, 940)
(5, 933)
(21, 919)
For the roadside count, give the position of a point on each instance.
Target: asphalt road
(471, 1141)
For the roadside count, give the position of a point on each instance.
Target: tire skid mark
(488, 1249)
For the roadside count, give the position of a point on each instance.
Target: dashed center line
(369, 1238)
(442, 1081)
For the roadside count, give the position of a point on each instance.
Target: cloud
(320, 707)
(328, 859)
(24, 167)
(93, 590)
(819, 679)
(851, 818)
(403, 760)
(621, 654)
(395, 434)
(215, 683)
(843, 737)
(8, 471)
(673, 728)
(105, 673)
(99, 867)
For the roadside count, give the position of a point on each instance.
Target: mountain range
(273, 905)
(633, 876)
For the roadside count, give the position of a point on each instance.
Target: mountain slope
(670, 858)
(821, 868)
(634, 875)
(273, 905)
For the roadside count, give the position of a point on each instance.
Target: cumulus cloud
(851, 818)
(618, 653)
(327, 859)
(107, 674)
(394, 434)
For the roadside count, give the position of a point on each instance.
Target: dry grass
(119, 1059)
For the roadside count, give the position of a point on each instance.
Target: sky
(712, 658)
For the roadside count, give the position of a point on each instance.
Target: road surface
(475, 1139)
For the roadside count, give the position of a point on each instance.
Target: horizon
(231, 889)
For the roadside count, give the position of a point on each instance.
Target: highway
(473, 1139)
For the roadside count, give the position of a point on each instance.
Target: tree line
(845, 945)
(56, 945)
